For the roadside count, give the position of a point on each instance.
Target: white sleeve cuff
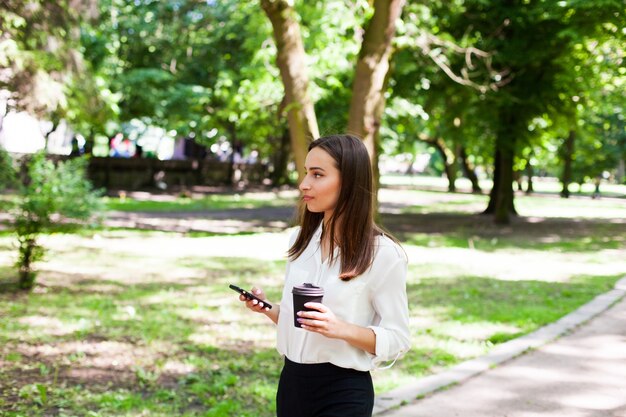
(383, 349)
(382, 345)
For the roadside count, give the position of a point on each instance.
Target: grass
(180, 349)
(200, 203)
(424, 202)
(540, 185)
(141, 323)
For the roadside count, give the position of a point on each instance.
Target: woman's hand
(322, 321)
(257, 307)
(254, 305)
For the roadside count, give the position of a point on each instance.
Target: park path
(582, 374)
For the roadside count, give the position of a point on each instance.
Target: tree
(529, 41)
(444, 79)
(291, 61)
(199, 70)
(44, 72)
(54, 197)
(368, 81)
(372, 67)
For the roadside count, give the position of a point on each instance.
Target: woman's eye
(316, 175)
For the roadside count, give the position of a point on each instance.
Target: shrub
(52, 197)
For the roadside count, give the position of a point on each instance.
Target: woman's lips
(307, 198)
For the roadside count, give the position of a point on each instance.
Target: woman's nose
(304, 185)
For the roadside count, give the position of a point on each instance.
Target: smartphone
(250, 296)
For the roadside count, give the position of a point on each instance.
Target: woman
(363, 320)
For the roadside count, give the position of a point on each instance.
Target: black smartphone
(250, 296)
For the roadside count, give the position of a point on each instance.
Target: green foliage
(44, 70)
(206, 70)
(54, 197)
(7, 171)
(195, 69)
(553, 65)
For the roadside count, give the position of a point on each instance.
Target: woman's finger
(317, 306)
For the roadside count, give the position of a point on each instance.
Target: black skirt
(323, 390)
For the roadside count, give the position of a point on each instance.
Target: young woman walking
(362, 321)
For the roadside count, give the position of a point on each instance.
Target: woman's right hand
(254, 305)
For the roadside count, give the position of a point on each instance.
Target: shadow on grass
(479, 232)
(133, 350)
(210, 382)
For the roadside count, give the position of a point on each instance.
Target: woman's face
(322, 182)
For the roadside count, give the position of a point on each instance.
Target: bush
(53, 197)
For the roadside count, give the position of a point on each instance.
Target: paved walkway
(582, 374)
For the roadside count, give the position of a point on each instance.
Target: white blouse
(376, 299)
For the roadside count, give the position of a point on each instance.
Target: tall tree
(367, 103)
(291, 60)
(530, 40)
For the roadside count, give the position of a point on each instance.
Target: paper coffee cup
(303, 294)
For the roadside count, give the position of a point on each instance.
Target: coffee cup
(303, 294)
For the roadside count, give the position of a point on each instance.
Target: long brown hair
(353, 217)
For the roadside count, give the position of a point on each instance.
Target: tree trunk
(280, 159)
(491, 206)
(469, 171)
(55, 125)
(449, 161)
(26, 274)
(620, 176)
(378, 114)
(567, 153)
(89, 141)
(367, 102)
(530, 172)
(517, 178)
(501, 203)
(232, 132)
(291, 61)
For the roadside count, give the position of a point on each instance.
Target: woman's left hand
(322, 321)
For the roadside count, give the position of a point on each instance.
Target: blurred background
(150, 153)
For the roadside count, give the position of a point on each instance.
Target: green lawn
(540, 185)
(130, 323)
(199, 203)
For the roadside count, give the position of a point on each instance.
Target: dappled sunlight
(52, 326)
(473, 331)
(518, 265)
(198, 315)
(200, 225)
(198, 296)
(573, 209)
(422, 320)
(462, 349)
(177, 368)
(245, 336)
(593, 401)
(580, 374)
(122, 251)
(598, 346)
(94, 354)
(155, 305)
(55, 274)
(95, 287)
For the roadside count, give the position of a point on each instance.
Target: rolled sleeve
(391, 325)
